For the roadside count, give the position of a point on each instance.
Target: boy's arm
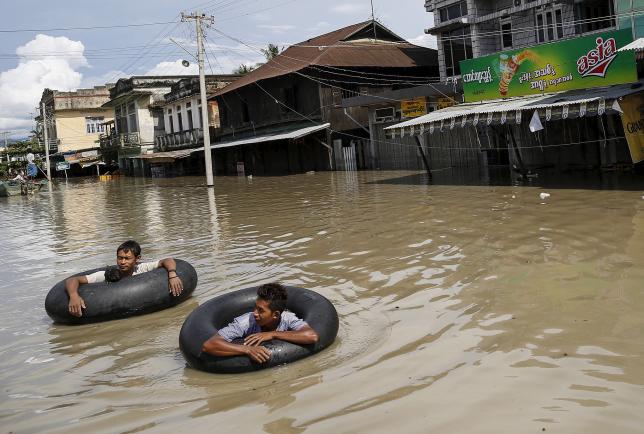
(305, 335)
(218, 346)
(174, 281)
(76, 303)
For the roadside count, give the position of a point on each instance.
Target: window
(289, 98)
(549, 25)
(131, 118)
(121, 120)
(598, 14)
(506, 33)
(179, 119)
(453, 11)
(245, 112)
(559, 22)
(170, 121)
(457, 46)
(93, 125)
(189, 116)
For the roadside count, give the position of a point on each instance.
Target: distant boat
(18, 188)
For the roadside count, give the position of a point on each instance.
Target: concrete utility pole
(199, 18)
(5, 134)
(373, 18)
(44, 127)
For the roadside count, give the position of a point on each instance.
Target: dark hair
(112, 274)
(275, 294)
(130, 246)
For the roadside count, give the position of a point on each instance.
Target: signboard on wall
(580, 63)
(443, 102)
(412, 108)
(62, 165)
(633, 121)
(81, 157)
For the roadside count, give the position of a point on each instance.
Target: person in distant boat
(32, 170)
(19, 177)
(128, 256)
(266, 322)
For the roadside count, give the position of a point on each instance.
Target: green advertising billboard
(580, 63)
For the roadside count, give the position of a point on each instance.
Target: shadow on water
(572, 179)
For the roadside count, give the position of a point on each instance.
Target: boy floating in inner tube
(266, 322)
(128, 255)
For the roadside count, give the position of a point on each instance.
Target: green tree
(243, 69)
(271, 51)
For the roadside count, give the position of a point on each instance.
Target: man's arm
(305, 335)
(76, 303)
(218, 346)
(174, 281)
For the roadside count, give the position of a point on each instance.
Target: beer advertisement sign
(580, 63)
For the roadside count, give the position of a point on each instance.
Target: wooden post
(422, 154)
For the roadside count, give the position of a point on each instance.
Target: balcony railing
(182, 139)
(120, 140)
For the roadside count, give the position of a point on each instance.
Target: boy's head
(112, 274)
(127, 255)
(270, 303)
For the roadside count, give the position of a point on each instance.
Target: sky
(60, 45)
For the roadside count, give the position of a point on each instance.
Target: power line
(58, 29)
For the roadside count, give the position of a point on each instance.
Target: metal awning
(171, 156)
(294, 134)
(636, 45)
(553, 106)
(167, 157)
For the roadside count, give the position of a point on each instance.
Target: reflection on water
(462, 308)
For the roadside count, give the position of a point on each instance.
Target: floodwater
(463, 309)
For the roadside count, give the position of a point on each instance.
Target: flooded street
(463, 309)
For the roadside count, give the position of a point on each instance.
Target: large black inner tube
(211, 316)
(136, 295)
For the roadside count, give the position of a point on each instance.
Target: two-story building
(467, 29)
(287, 116)
(137, 106)
(183, 128)
(75, 120)
(546, 87)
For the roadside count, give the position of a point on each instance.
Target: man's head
(112, 274)
(127, 255)
(270, 303)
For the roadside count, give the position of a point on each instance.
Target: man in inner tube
(128, 256)
(266, 322)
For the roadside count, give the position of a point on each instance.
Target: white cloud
(349, 8)
(44, 62)
(174, 68)
(276, 28)
(425, 40)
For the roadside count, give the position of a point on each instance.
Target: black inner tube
(204, 322)
(135, 295)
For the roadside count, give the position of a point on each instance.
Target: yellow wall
(71, 129)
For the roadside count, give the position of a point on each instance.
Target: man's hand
(257, 338)
(258, 354)
(76, 305)
(176, 285)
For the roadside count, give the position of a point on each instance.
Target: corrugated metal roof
(170, 156)
(333, 49)
(636, 45)
(294, 134)
(523, 103)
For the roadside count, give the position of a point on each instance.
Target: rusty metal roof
(349, 47)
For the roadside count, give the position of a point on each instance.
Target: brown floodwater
(463, 309)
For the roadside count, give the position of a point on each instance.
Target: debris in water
(544, 195)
